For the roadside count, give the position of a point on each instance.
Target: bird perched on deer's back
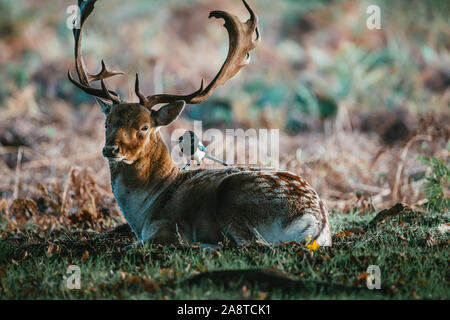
(193, 149)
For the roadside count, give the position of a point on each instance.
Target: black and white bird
(193, 149)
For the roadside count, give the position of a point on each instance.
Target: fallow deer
(162, 203)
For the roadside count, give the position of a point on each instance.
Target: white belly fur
(136, 207)
(299, 230)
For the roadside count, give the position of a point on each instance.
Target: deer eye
(145, 128)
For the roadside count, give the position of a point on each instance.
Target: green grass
(411, 253)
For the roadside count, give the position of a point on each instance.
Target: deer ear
(106, 108)
(168, 113)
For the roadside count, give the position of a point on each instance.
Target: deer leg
(135, 245)
(209, 247)
(237, 232)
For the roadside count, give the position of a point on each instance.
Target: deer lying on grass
(162, 203)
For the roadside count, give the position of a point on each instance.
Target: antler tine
(142, 99)
(103, 74)
(100, 93)
(85, 78)
(253, 24)
(241, 43)
(253, 21)
(115, 100)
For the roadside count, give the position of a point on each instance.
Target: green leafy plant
(436, 184)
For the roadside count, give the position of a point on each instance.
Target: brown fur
(203, 205)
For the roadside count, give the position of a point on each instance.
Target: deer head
(131, 127)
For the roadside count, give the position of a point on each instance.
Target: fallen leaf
(313, 246)
(261, 295)
(361, 279)
(344, 233)
(245, 292)
(85, 255)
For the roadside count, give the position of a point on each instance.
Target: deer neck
(137, 186)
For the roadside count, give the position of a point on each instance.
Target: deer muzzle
(111, 152)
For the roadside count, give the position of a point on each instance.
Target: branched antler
(85, 78)
(241, 42)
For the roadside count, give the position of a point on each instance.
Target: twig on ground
(17, 175)
(399, 208)
(401, 164)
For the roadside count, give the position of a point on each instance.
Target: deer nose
(110, 151)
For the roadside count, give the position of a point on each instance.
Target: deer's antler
(241, 38)
(241, 43)
(85, 78)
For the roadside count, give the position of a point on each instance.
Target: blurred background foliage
(317, 58)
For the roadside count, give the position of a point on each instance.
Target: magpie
(193, 149)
